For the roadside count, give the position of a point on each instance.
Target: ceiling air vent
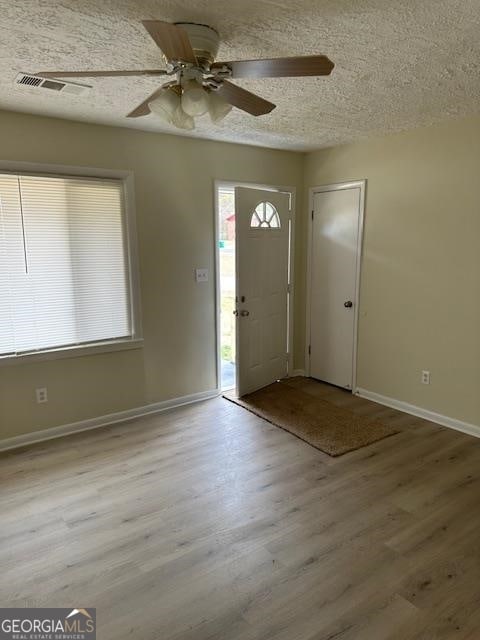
(50, 84)
(31, 81)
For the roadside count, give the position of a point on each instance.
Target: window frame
(274, 216)
(135, 341)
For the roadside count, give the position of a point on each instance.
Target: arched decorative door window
(265, 216)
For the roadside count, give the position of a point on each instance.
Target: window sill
(73, 352)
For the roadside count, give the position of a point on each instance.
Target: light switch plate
(41, 395)
(201, 275)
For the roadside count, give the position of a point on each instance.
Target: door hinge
(309, 349)
(312, 214)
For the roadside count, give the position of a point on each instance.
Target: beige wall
(174, 204)
(420, 292)
(420, 289)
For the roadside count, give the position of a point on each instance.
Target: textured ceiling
(398, 64)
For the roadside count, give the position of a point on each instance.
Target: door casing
(217, 184)
(352, 184)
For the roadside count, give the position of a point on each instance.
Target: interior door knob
(348, 304)
(235, 313)
(244, 312)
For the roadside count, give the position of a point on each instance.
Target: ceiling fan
(199, 84)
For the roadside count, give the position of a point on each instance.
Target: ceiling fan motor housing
(204, 40)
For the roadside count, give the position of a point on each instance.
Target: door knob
(348, 304)
(235, 313)
(244, 312)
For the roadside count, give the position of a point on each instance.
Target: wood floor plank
(206, 523)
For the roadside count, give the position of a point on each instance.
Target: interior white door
(262, 272)
(335, 232)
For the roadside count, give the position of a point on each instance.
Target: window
(64, 263)
(265, 216)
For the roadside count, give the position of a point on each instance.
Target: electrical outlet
(425, 377)
(201, 275)
(41, 395)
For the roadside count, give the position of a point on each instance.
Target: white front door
(262, 279)
(333, 284)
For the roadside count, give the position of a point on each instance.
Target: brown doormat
(333, 430)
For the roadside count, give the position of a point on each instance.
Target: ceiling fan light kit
(194, 98)
(179, 109)
(182, 120)
(165, 104)
(218, 108)
(200, 84)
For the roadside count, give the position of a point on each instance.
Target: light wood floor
(209, 523)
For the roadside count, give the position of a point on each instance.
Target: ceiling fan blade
(143, 109)
(102, 74)
(245, 100)
(279, 67)
(172, 40)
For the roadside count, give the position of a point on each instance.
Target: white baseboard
(298, 372)
(102, 421)
(445, 421)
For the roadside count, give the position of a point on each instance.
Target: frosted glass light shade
(182, 120)
(218, 107)
(194, 99)
(165, 105)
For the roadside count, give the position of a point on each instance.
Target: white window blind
(64, 277)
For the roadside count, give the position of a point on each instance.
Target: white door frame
(352, 184)
(292, 191)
